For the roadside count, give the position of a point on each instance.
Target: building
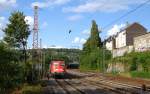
(142, 43)
(110, 43)
(123, 41)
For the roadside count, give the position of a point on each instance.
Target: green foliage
(136, 59)
(68, 55)
(96, 60)
(134, 64)
(17, 31)
(94, 41)
(15, 40)
(32, 89)
(30, 73)
(9, 65)
(140, 74)
(93, 56)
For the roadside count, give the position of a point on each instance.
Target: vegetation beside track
(96, 58)
(68, 55)
(31, 89)
(13, 54)
(137, 64)
(92, 56)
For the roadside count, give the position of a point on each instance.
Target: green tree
(94, 41)
(17, 32)
(95, 38)
(11, 69)
(92, 57)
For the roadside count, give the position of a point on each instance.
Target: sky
(57, 17)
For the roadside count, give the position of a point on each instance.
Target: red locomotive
(57, 68)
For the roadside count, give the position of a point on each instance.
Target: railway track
(112, 88)
(91, 84)
(68, 88)
(119, 87)
(94, 89)
(122, 87)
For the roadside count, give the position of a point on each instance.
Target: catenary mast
(35, 28)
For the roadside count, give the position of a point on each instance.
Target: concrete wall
(122, 51)
(142, 43)
(116, 67)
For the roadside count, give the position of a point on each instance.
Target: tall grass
(32, 89)
(140, 74)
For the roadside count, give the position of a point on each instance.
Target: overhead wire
(126, 14)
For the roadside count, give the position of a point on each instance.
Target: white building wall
(109, 45)
(142, 43)
(121, 40)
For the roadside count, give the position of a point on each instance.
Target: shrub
(95, 60)
(140, 74)
(11, 74)
(32, 89)
(134, 60)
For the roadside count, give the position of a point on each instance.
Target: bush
(94, 60)
(32, 89)
(134, 60)
(11, 74)
(140, 74)
(43, 83)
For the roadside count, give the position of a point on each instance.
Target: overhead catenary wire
(126, 14)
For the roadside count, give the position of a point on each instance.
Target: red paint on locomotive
(57, 68)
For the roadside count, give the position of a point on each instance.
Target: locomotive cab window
(63, 65)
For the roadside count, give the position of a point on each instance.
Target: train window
(55, 65)
(62, 64)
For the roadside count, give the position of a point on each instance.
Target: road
(90, 83)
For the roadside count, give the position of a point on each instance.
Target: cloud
(115, 29)
(45, 46)
(3, 23)
(1, 35)
(52, 46)
(82, 40)
(102, 6)
(56, 47)
(86, 32)
(49, 3)
(7, 4)
(44, 24)
(75, 17)
(78, 40)
(29, 20)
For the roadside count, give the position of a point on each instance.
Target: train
(73, 65)
(57, 68)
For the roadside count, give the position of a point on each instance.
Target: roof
(108, 39)
(130, 25)
(123, 29)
